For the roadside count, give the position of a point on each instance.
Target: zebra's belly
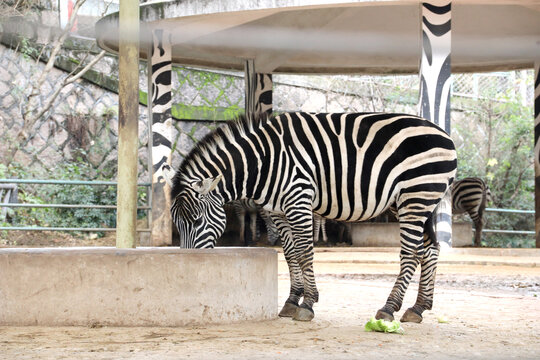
(356, 214)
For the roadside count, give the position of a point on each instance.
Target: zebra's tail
(486, 197)
(429, 229)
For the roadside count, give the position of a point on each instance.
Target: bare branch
(68, 80)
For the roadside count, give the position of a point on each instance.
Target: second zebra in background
(471, 195)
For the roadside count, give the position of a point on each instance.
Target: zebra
(348, 167)
(342, 230)
(248, 206)
(471, 195)
(319, 227)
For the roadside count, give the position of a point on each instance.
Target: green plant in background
(80, 194)
(496, 144)
(66, 194)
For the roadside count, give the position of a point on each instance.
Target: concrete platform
(448, 256)
(136, 287)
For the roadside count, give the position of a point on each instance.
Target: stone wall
(83, 122)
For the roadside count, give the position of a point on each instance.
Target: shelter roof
(375, 37)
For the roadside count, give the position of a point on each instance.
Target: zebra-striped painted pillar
(537, 150)
(435, 83)
(159, 111)
(258, 90)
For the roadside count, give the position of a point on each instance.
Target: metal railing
(147, 207)
(515, 232)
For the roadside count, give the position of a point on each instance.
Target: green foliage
(65, 194)
(495, 142)
(80, 194)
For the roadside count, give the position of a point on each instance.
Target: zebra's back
(360, 162)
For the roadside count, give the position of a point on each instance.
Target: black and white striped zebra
(471, 195)
(348, 167)
(248, 207)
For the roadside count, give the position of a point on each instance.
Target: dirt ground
(493, 312)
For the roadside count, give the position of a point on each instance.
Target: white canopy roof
(355, 37)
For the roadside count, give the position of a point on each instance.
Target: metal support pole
(435, 83)
(537, 150)
(128, 119)
(160, 118)
(258, 90)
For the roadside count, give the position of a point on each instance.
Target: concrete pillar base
(136, 287)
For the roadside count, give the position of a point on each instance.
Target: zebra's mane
(230, 131)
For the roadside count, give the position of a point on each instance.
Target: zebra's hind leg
(426, 288)
(411, 252)
(301, 222)
(478, 227)
(295, 272)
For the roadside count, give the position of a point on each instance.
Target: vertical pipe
(537, 150)
(128, 119)
(435, 72)
(435, 84)
(258, 91)
(160, 104)
(150, 167)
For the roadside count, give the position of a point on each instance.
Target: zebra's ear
(204, 186)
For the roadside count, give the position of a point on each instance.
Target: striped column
(435, 83)
(537, 151)
(159, 110)
(258, 90)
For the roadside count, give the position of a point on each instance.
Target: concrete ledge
(387, 234)
(136, 287)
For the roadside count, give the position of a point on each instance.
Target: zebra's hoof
(304, 313)
(288, 310)
(384, 315)
(411, 316)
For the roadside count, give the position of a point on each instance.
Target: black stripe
(335, 167)
(157, 166)
(351, 157)
(438, 29)
(443, 77)
(427, 47)
(160, 65)
(161, 117)
(158, 139)
(325, 160)
(439, 10)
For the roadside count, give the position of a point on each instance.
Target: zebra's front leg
(295, 272)
(426, 288)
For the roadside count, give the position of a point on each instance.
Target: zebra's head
(198, 213)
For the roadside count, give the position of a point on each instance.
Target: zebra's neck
(237, 152)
